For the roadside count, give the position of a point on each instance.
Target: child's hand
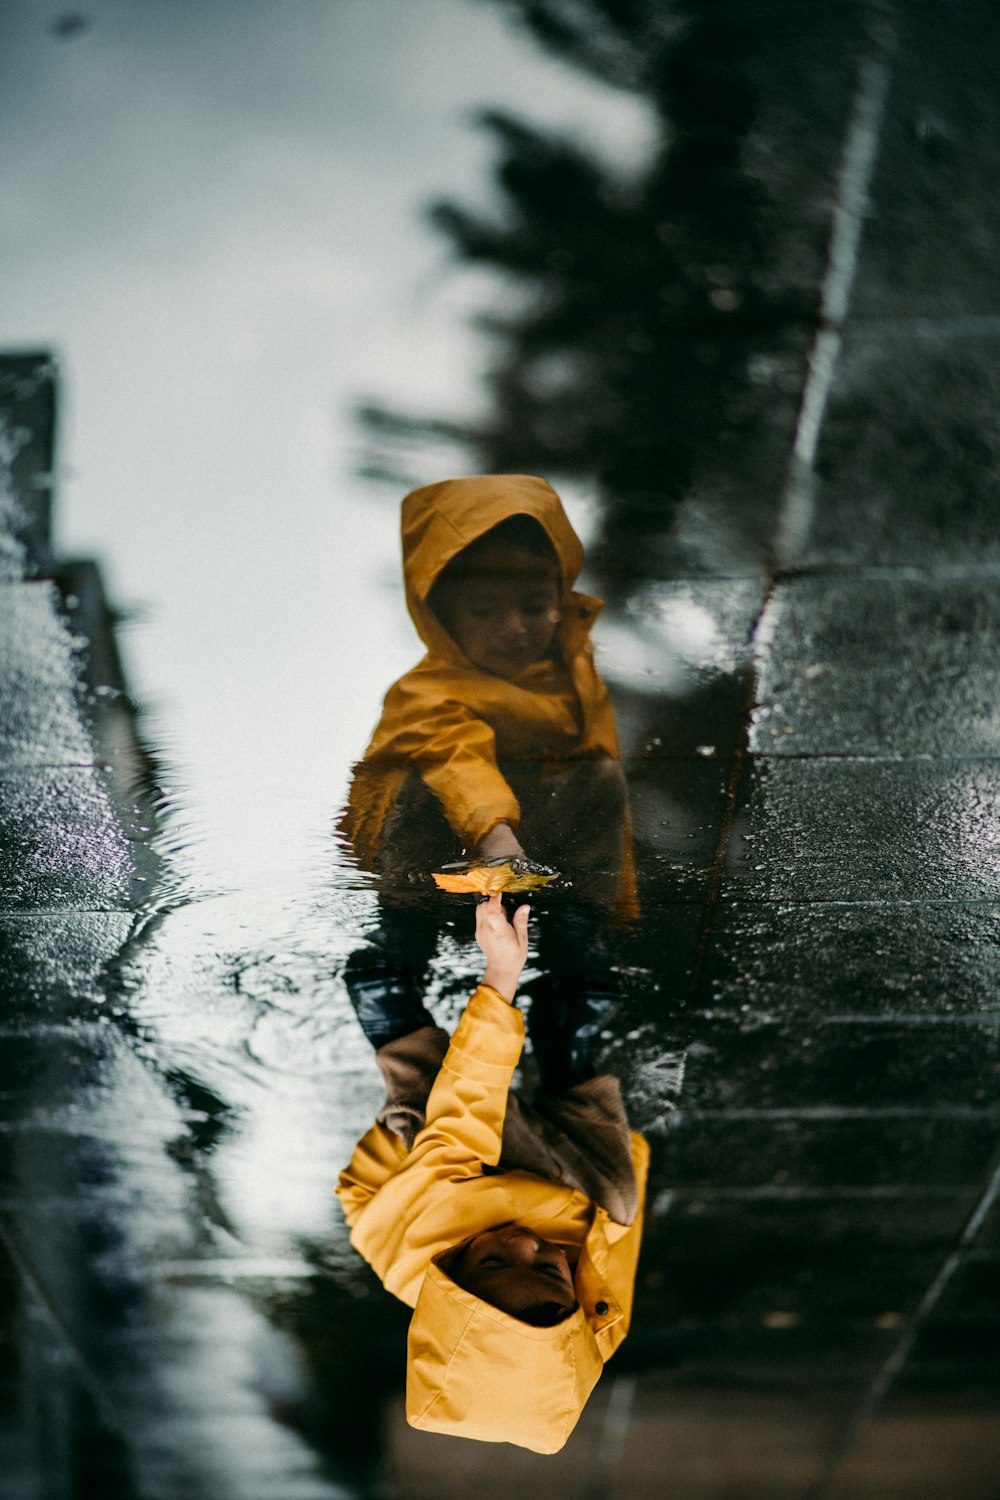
(504, 943)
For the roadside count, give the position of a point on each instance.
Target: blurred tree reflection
(646, 301)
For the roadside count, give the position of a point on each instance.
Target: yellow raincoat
(473, 1370)
(454, 722)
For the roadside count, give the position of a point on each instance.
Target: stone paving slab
(883, 665)
(740, 1228)
(770, 1355)
(952, 1351)
(933, 229)
(925, 1443)
(792, 1154)
(909, 469)
(859, 1291)
(61, 846)
(850, 1067)
(973, 1295)
(87, 1069)
(716, 1258)
(822, 961)
(38, 681)
(856, 830)
(51, 961)
(756, 1444)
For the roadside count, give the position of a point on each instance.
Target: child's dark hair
(516, 531)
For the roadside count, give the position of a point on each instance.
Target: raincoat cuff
(484, 820)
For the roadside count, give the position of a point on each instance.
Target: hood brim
(440, 520)
(475, 1372)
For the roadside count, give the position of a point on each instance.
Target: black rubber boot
(568, 1014)
(386, 999)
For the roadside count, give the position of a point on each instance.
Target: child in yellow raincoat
(500, 742)
(512, 1232)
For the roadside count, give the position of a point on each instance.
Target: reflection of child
(502, 739)
(513, 1231)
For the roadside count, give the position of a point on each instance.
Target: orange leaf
(485, 879)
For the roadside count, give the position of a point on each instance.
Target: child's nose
(526, 1245)
(515, 625)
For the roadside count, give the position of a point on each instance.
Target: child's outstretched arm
(504, 943)
(501, 843)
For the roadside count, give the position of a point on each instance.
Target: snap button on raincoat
(452, 721)
(471, 1369)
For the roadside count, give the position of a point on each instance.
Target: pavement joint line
(796, 505)
(32, 913)
(863, 758)
(860, 150)
(888, 1372)
(785, 1192)
(734, 781)
(37, 1291)
(803, 901)
(614, 1431)
(792, 572)
(231, 1270)
(890, 572)
(49, 765)
(898, 1018)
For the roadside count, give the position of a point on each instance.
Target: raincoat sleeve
(467, 1105)
(455, 753)
(375, 1158)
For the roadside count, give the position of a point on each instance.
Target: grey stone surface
(54, 959)
(860, 1067)
(38, 681)
(909, 466)
(884, 665)
(933, 232)
(815, 962)
(868, 830)
(61, 844)
(732, 1259)
(761, 1156)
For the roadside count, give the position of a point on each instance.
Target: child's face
(503, 616)
(515, 1270)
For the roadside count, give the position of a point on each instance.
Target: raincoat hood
(475, 1372)
(440, 520)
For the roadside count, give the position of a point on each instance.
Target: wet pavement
(810, 1034)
